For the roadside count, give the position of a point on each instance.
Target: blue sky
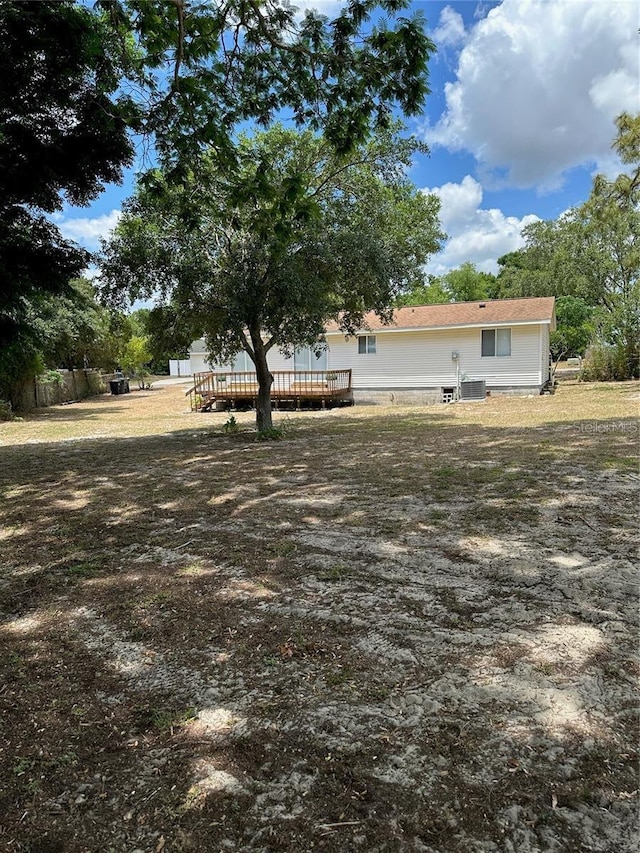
(524, 95)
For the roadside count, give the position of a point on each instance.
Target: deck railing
(288, 385)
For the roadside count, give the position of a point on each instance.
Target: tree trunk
(265, 380)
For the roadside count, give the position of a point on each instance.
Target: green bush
(270, 434)
(606, 363)
(231, 427)
(18, 365)
(51, 376)
(6, 412)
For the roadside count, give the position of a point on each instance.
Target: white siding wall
(423, 359)
(200, 363)
(544, 353)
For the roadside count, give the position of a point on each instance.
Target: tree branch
(179, 4)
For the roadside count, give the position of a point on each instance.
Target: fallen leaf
(287, 650)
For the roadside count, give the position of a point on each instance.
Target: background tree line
(77, 331)
(588, 258)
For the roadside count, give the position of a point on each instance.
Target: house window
(242, 363)
(366, 344)
(496, 342)
(305, 358)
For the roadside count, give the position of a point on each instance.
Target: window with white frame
(496, 342)
(242, 363)
(305, 358)
(366, 344)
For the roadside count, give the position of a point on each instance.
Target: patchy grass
(397, 629)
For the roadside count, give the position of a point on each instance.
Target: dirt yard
(395, 630)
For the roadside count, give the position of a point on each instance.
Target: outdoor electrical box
(454, 356)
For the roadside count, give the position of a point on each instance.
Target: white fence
(180, 367)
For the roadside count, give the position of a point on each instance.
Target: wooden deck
(294, 387)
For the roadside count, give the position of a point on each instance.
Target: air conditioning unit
(475, 389)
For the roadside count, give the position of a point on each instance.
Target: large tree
(63, 135)
(71, 329)
(610, 222)
(574, 327)
(263, 257)
(590, 254)
(543, 266)
(467, 284)
(464, 284)
(428, 292)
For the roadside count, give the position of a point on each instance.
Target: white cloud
(538, 85)
(319, 5)
(481, 10)
(474, 234)
(88, 231)
(450, 30)
(330, 8)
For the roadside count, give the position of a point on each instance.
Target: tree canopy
(264, 257)
(63, 135)
(575, 327)
(203, 68)
(464, 284)
(169, 334)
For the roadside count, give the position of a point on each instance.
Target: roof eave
(547, 321)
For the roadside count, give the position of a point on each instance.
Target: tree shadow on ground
(74, 411)
(411, 632)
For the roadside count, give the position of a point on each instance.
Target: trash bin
(119, 386)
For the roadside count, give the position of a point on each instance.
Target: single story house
(428, 352)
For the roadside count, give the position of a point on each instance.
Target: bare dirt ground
(396, 630)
